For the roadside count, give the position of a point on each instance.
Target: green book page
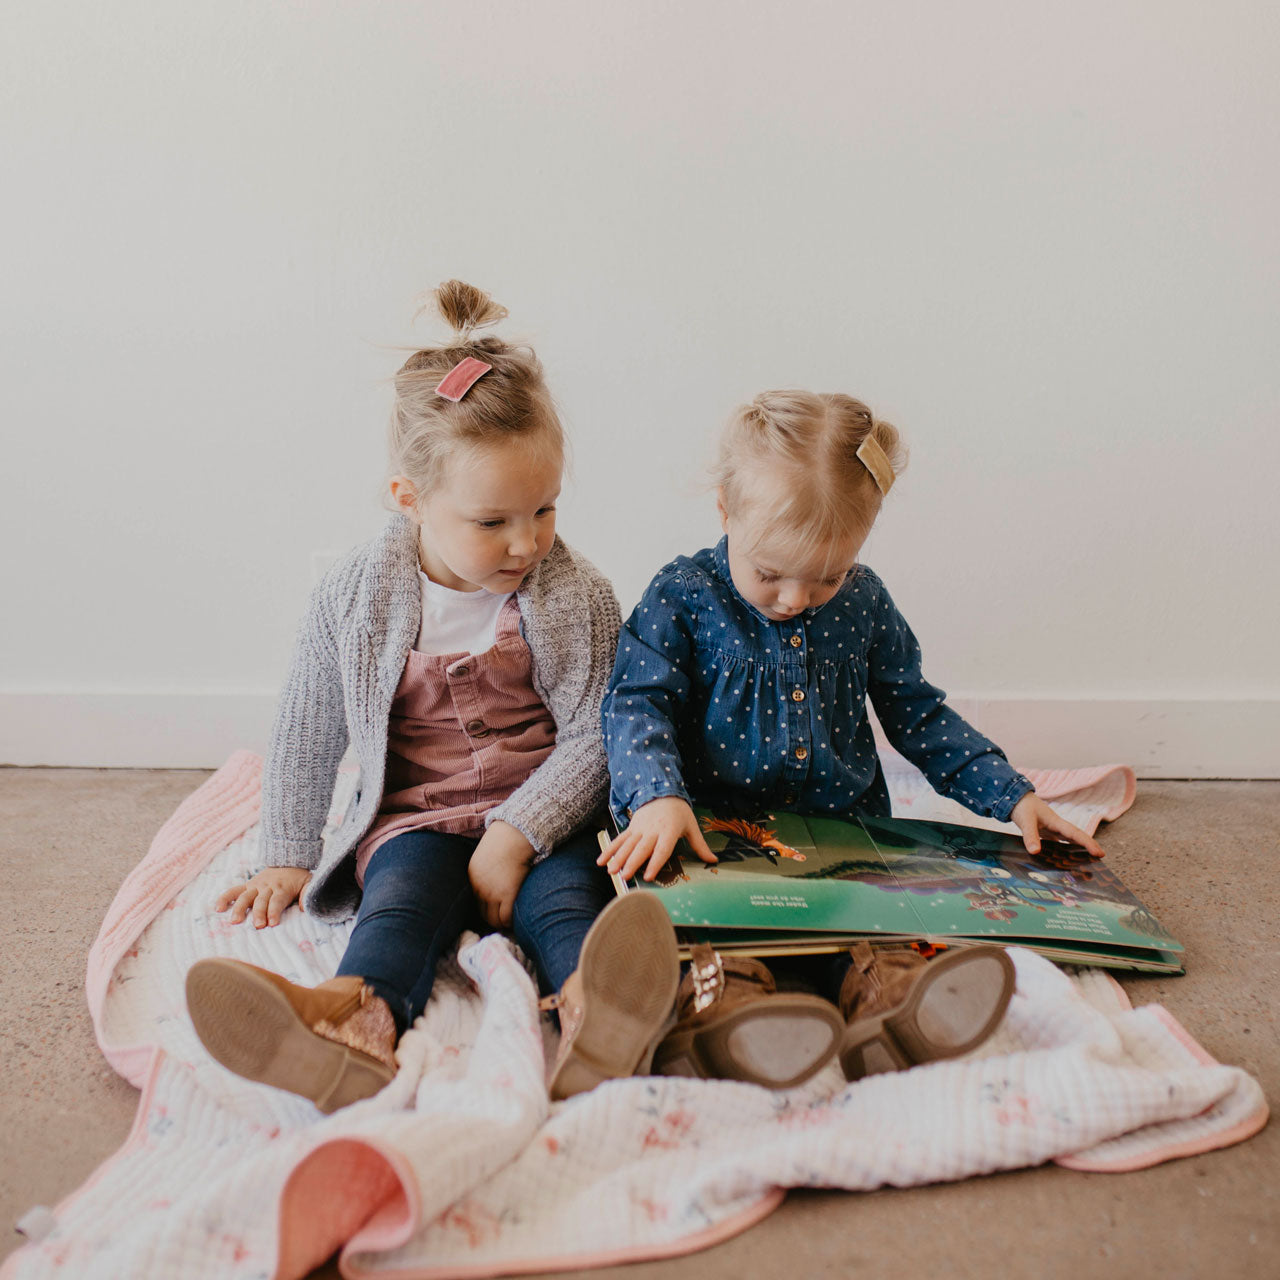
(970, 882)
(773, 875)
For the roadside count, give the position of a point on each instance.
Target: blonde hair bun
(464, 307)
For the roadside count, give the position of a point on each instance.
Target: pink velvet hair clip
(461, 378)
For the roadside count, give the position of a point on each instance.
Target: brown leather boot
(902, 1008)
(734, 1024)
(334, 1043)
(615, 1002)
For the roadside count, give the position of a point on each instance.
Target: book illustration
(749, 844)
(747, 839)
(1059, 892)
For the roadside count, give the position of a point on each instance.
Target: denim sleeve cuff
(656, 791)
(1004, 805)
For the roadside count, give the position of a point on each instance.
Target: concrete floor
(1205, 856)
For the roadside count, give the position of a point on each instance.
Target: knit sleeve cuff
(537, 837)
(546, 821)
(292, 853)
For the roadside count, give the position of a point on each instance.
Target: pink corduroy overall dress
(465, 731)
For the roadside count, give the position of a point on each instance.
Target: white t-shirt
(457, 621)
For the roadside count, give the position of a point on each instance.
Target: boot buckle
(708, 982)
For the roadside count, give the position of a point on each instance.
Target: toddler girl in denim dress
(741, 682)
(463, 654)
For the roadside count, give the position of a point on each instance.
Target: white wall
(1040, 238)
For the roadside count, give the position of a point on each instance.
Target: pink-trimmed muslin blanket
(461, 1167)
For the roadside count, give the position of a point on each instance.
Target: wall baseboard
(1160, 738)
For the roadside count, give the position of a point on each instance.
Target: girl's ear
(722, 509)
(405, 497)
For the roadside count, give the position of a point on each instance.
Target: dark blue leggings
(418, 900)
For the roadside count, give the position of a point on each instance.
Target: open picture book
(789, 883)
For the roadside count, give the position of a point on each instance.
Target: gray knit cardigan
(361, 622)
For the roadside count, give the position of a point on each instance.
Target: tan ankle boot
(902, 1008)
(615, 1002)
(334, 1043)
(734, 1024)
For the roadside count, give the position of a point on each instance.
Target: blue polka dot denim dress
(714, 702)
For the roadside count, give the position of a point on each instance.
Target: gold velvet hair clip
(874, 458)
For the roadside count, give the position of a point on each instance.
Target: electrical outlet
(321, 563)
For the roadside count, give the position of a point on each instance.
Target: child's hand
(1031, 814)
(497, 870)
(655, 828)
(269, 893)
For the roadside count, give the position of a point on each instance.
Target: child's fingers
(635, 859)
(661, 852)
(698, 843)
(228, 896)
(638, 856)
(1075, 835)
(243, 903)
(1030, 829)
(625, 852)
(260, 908)
(277, 905)
(620, 848)
(615, 847)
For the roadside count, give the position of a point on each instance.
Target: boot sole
(956, 1003)
(630, 968)
(248, 1025)
(778, 1041)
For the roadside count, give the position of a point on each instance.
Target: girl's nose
(522, 543)
(793, 598)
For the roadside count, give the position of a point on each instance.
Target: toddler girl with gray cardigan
(463, 654)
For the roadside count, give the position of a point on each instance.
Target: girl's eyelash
(773, 577)
(493, 524)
